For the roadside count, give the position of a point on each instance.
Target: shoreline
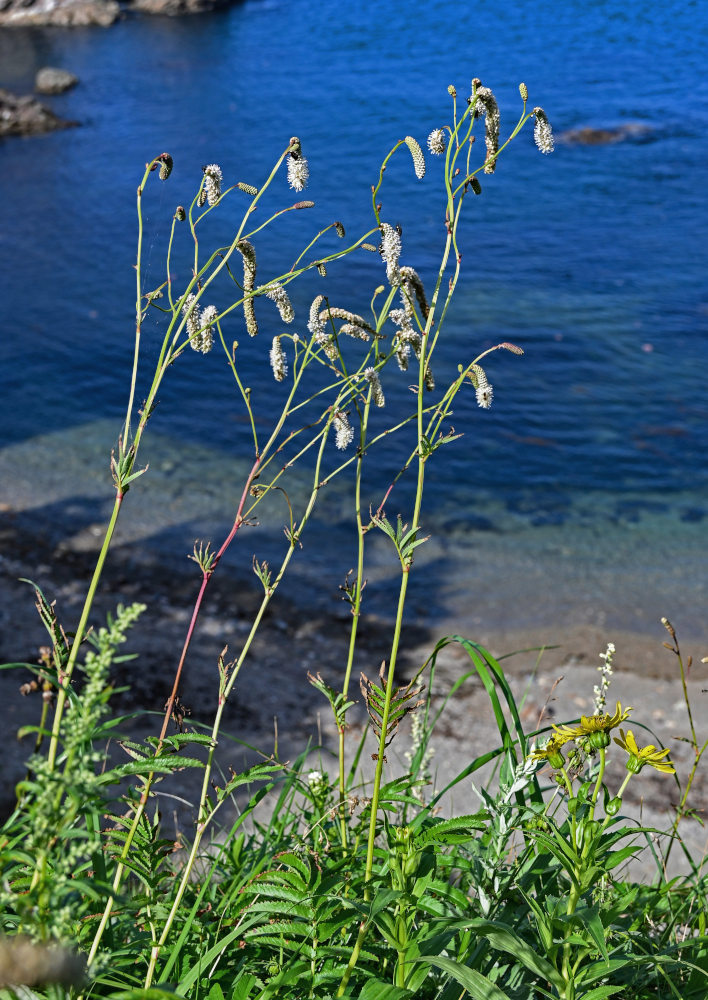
(553, 683)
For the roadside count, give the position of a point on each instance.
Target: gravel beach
(554, 683)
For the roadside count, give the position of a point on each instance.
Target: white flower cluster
(276, 293)
(298, 169)
(317, 780)
(277, 360)
(417, 154)
(487, 105)
(343, 430)
(372, 377)
(391, 251)
(484, 391)
(437, 141)
(407, 337)
(212, 183)
(542, 131)
(200, 326)
(600, 690)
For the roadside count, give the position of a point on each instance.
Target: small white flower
(212, 183)
(437, 140)
(343, 429)
(315, 780)
(277, 360)
(298, 172)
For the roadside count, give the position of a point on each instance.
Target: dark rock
(26, 116)
(588, 136)
(64, 13)
(54, 81)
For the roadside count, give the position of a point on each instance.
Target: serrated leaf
(451, 831)
(164, 764)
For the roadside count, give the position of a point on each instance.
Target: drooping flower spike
(298, 167)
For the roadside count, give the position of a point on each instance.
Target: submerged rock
(54, 81)
(27, 116)
(587, 136)
(64, 13)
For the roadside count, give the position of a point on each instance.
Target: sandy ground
(553, 684)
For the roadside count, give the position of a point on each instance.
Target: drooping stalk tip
(298, 167)
(542, 132)
(343, 430)
(276, 293)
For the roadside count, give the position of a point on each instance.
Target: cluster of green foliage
(291, 883)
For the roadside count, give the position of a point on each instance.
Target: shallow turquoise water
(585, 486)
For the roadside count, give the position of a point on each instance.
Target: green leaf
(503, 938)
(600, 992)
(451, 831)
(154, 993)
(244, 984)
(374, 989)
(590, 918)
(477, 985)
(164, 764)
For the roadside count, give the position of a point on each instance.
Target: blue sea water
(583, 491)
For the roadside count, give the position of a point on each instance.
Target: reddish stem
(206, 576)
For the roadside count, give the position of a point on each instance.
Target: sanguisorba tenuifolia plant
(353, 886)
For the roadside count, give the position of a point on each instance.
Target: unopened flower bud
(165, 161)
(180, 213)
(523, 91)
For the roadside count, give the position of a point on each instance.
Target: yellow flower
(647, 755)
(551, 751)
(594, 727)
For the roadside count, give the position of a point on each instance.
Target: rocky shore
(273, 699)
(79, 13)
